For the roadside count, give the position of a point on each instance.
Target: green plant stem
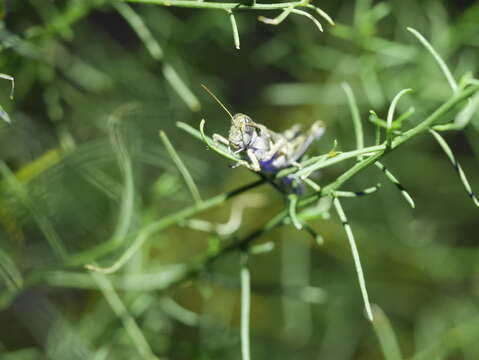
(221, 6)
(435, 116)
(355, 254)
(358, 127)
(129, 323)
(245, 306)
(190, 183)
(386, 336)
(423, 126)
(305, 172)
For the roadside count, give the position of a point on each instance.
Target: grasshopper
(265, 150)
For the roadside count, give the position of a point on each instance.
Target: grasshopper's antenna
(218, 100)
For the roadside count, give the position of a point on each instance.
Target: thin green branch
(442, 64)
(288, 7)
(12, 81)
(436, 115)
(421, 127)
(317, 237)
(156, 52)
(139, 26)
(309, 16)
(278, 19)
(308, 170)
(396, 183)
(389, 126)
(236, 37)
(353, 106)
(357, 261)
(463, 118)
(3, 114)
(321, 13)
(367, 191)
(245, 306)
(129, 323)
(385, 333)
(127, 206)
(390, 117)
(447, 150)
(293, 201)
(220, 5)
(262, 248)
(190, 183)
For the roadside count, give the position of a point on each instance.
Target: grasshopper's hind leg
(276, 147)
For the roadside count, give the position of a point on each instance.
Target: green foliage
(117, 243)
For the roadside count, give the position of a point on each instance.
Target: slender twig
(278, 19)
(321, 13)
(390, 117)
(396, 183)
(125, 214)
(447, 150)
(120, 310)
(308, 170)
(154, 48)
(354, 251)
(236, 37)
(309, 16)
(374, 118)
(139, 26)
(221, 5)
(442, 64)
(385, 333)
(245, 306)
(190, 183)
(436, 115)
(317, 237)
(293, 201)
(421, 127)
(358, 127)
(367, 191)
(463, 117)
(3, 114)
(290, 6)
(12, 81)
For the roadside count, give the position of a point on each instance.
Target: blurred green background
(90, 98)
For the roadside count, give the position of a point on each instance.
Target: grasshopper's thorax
(240, 134)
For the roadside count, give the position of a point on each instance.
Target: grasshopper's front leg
(217, 138)
(254, 161)
(254, 165)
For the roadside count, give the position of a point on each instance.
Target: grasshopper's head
(240, 134)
